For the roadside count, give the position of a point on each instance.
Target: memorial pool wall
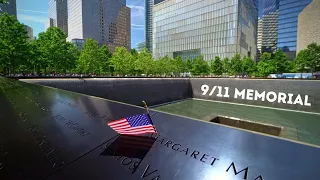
(301, 95)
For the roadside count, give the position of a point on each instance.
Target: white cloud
(137, 28)
(24, 17)
(136, 11)
(28, 10)
(138, 25)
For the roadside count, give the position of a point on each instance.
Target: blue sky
(34, 14)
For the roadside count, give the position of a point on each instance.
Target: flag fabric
(133, 125)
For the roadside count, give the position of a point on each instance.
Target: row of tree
(50, 52)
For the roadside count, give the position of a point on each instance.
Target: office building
(259, 40)
(210, 28)
(148, 24)
(30, 32)
(106, 21)
(309, 26)
(270, 6)
(288, 23)
(10, 8)
(58, 15)
(270, 32)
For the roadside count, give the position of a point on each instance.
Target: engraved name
(204, 158)
(51, 153)
(70, 124)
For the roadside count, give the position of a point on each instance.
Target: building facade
(148, 24)
(10, 8)
(208, 27)
(270, 6)
(30, 32)
(106, 21)
(288, 23)
(309, 26)
(259, 40)
(58, 14)
(270, 32)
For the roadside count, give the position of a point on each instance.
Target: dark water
(296, 125)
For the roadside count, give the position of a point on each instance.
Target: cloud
(137, 28)
(38, 19)
(137, 25)
(28, 10)
(136, 11)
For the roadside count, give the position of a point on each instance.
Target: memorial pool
(298, 126)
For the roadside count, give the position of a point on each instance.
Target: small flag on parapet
(133, 125)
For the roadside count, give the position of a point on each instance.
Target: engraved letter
(194, 153)
(214, 160)
(226, 95)
(235, 171)
(203, 157)
(176, 148)
(238, 93)
(185, 150)
(145, 172)
(167, 143)
(259, 178)
(220, 91)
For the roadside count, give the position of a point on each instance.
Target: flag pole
(146, 106)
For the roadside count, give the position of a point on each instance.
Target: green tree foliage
(13, 44)
(91, 58)
(217, 66)
(140, 46)
(180, 65)
(163, 66)
(188, 65)
(134, 52)
(122, 61)
(4, 2)
(200, 67)
(266, 65)
(226, 64)
(55, 52)
(308, 60)
(248, 66)
(144, 63)
(236, 65)
(106, 57)
(281, 62)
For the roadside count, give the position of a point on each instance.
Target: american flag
(133, 125)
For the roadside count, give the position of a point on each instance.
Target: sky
(34, 13)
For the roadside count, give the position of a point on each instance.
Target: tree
(54, 50)
(308, 60)
(188, 65)
(90, 60)
(140, 46)
(216, 66)
(144, 62)
(106, 57)
(122, 61)
(13, 43)
(163, 66)
(200, 67)
(281, 62)
(248, 66)
(4, 2)
(236, 64)
(226, 65)
(134, 52)
(180, 65)
(266, 65)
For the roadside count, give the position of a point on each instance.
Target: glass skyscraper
(148, 24)
(208, 27)
(288, 23)
(10, 8)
